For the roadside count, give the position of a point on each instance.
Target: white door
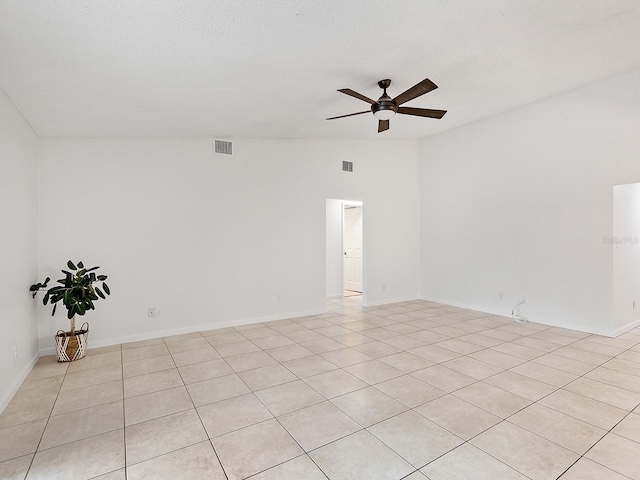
(353, 248)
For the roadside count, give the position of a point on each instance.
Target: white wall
(19, 147)
(334, 248)
(520, 202)
(214, 240)
(626, 254)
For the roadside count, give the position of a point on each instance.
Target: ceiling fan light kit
(384, 113)
(385, 107)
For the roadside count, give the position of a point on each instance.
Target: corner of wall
(19, 192)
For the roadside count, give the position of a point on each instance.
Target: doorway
(352, 249)
(344, 238)
(625, 243)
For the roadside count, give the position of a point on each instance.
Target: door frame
(345, 204)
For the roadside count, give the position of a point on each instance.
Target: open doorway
(352, 248)
(344, 249)
(625, 243)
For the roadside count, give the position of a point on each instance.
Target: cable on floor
(516, 316)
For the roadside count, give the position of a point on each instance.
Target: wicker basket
(70, 347)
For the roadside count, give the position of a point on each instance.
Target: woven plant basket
(72, 346)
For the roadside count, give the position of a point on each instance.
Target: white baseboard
(270, 318)
(195, 328)
(388, 301)
(8, 395)
(453, 303)
(551, 323)
(579, 328)
(627, 327)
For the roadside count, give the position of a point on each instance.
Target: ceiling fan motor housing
(385, 107)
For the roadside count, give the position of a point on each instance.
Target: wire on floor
(516, 316)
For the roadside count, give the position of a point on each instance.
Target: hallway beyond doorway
(352, 293)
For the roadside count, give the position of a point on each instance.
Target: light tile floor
(413, 390)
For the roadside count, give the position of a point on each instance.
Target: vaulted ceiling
(270, 68)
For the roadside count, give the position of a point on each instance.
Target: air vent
(347, 166)
(223, 147)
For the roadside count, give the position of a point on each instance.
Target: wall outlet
(152, 312)
(159, 312)
(501, 295)
(15, 352)
(384, 287)
(278, 298)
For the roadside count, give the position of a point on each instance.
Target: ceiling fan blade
(422, 112)
(350, 92)
(425, 86)
(350, 115)
(383, 125)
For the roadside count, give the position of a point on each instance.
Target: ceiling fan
(386, 107)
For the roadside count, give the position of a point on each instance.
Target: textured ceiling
(270, 68)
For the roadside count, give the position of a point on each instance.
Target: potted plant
(78, 291)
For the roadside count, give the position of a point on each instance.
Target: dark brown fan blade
(350, 115)
(350, 92)
(425, 86)
(383, 125)
(422, 112)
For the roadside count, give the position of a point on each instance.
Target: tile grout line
(557, 389)
(402, 373)
(46, 423)
(611, 429)
(224, 470)
(124, 418)
(544, 353)
(534, 402)
(304, 452)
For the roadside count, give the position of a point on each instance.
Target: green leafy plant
(78, 291)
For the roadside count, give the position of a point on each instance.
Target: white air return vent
(222, 147)
(347, 166)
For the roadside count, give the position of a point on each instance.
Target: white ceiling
(270, 68)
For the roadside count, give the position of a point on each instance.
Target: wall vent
(223, 147)
(347, 166)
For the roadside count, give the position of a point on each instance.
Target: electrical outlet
(501, 295)
(159, 312)
(152, 312)
(15, 352)
(278, 299)
(384, 287)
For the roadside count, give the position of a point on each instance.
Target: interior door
(352, 241)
